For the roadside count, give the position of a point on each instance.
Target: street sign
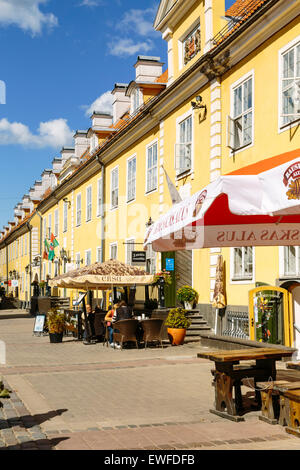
(170, 264)
(138, 257)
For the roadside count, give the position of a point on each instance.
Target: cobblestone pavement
(72, 396)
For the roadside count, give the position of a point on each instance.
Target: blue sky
(57, 58)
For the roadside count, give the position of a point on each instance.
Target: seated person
(91, 321)
(122, 312)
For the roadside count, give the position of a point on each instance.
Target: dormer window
(136, 100)
(191, 44)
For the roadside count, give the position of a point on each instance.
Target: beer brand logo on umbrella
(292, 178)
(199, 202)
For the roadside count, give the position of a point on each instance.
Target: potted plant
(56, 323)
(187, 295)
(177, 324)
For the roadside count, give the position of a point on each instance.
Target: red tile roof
(243, 7)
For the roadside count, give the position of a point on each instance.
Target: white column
(208, 18)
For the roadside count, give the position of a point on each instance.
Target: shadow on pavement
(39, 444)
(30, 421)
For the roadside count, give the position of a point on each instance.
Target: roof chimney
(148, 69)
(81, 143)
(121, 103)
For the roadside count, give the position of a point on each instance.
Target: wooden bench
(293, 365)
(229, 375)
(270, 407)
(285, 413)
(292, 409)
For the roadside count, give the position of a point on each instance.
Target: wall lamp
(198, 103)
(66, 200)
(149, 223)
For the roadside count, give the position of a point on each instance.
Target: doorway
(271, 315)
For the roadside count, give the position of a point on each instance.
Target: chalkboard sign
(138, 257)
(39, 323)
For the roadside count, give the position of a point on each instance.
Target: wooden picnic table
(229, 373)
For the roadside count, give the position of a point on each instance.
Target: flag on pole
(53, 244)
(175, 196)
(46, 249)
(53, 240)
(51, 252)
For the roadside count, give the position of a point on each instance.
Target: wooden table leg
(225, 405)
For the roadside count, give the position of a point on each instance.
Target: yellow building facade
(228, 97)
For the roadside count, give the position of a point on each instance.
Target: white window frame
(151, 258)
(115, 169)
(98, 254)
(65, 217)
(56, 223)
(179, 120)
(282, 273)
(129, 160)
(231, 119)
(77, 260)
(242, 280)
(86, 254)
(78, 209)
(136, 99)
(49, 226)
(130, 242)
(111, 246)
(45, 227)
(284, 127)
(151, 144)
(99, 196)
(89, 203)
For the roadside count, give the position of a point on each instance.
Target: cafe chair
(127, 330)
(106, 334)
(152, 330)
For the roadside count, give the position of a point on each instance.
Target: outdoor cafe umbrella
(103, 276)
(258, 205)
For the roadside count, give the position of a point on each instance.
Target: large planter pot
(176, 336)
(188, 305)
(56, 337)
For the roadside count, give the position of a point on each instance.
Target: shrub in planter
(177, 323)
(187, 295)
(56, 323)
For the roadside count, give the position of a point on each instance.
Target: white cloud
(26, 14)
(55, 134)
(127, 47)
(103, 103)
(90, 3)
(138, 21)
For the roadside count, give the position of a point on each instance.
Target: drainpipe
(41, 240)
(30, 256)
(102, 208)
(6, 246)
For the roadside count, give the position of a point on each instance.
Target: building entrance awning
(258, 205)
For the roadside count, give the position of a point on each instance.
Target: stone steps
(198, 326)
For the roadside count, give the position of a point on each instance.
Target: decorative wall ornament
(192, 45)
(214, 68)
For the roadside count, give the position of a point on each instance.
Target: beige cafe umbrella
(103, 276)
(219, 300)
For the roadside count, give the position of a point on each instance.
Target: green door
(170, 290)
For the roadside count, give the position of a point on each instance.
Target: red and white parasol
(258, 205)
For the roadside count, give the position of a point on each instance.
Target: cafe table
(229, 374)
